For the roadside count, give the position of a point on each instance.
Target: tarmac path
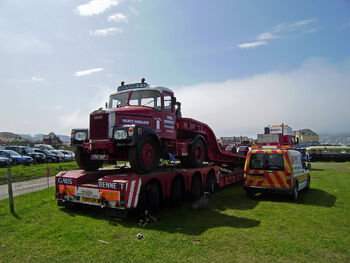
(29, 186)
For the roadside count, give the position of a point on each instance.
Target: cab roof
(140, 86)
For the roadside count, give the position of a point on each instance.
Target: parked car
(5, 159)
(69, 156)
(27, 151)
(243, 150)
(50, 157)
(16, 158)
(231, 149)
(59, 155)
(46, 147)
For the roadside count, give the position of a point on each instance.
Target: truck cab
(137, 126)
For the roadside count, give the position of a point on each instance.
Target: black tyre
(196, 190)
(210, 184)
(197, 154)
(49, 160)
(144, 157)
(152, 197)
(295, 192)
(176, 195)
(307, 188)
(84, 162)
(249, 193)
(14, 162)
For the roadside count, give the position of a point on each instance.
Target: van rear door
(267, 169)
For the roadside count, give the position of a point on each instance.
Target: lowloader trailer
(121, 190)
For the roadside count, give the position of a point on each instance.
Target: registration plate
(259, 177)
(99, 157)
(89, 200)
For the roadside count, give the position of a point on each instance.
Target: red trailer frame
(121, 189)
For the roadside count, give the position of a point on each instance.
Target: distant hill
(29, 137)
(39, 137)
(9, 135)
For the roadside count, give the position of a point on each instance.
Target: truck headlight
(80, 136)
(120, 135)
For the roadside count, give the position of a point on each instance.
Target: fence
(46, 172)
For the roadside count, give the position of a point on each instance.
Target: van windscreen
(266, 161)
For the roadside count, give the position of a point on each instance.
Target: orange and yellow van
(275, 170)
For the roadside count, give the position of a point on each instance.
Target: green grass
(24, 172)
(232, 228)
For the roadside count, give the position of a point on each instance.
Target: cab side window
(167, 102)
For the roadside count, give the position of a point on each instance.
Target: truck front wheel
(84, 162)
(144, 157)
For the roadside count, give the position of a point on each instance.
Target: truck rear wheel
(196, 154)
(84, 162)
(144, 157)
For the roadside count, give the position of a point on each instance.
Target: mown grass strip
(232, 228)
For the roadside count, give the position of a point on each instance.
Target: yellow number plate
(89, 200)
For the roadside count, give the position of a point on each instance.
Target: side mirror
(173, 100)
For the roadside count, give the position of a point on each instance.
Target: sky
(237, 65)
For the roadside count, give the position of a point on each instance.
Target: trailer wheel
(84, 162)
(176, 192)
(196, 188)
(152, 197)
(197, 154)
(210, 185)
(144, 157)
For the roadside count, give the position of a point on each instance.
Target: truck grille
(99, 126)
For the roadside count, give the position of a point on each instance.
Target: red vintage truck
(141, 125)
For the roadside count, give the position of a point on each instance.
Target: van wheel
(307, 188)
(250, 194)
(295, 193)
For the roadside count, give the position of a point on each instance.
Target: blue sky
(236, 65)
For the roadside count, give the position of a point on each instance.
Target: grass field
(24, 172)
(232, 228)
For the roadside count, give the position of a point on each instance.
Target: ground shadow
(314, 197)
(172, 220)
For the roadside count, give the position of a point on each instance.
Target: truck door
(168, 116)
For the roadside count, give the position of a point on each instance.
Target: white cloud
(119, 18)
(134, 11)
(87, 72)
(38, 79)
(95, 7)
(281, 30)
(252, 44)
(106, 31)
(314, 96)
(266, 36)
